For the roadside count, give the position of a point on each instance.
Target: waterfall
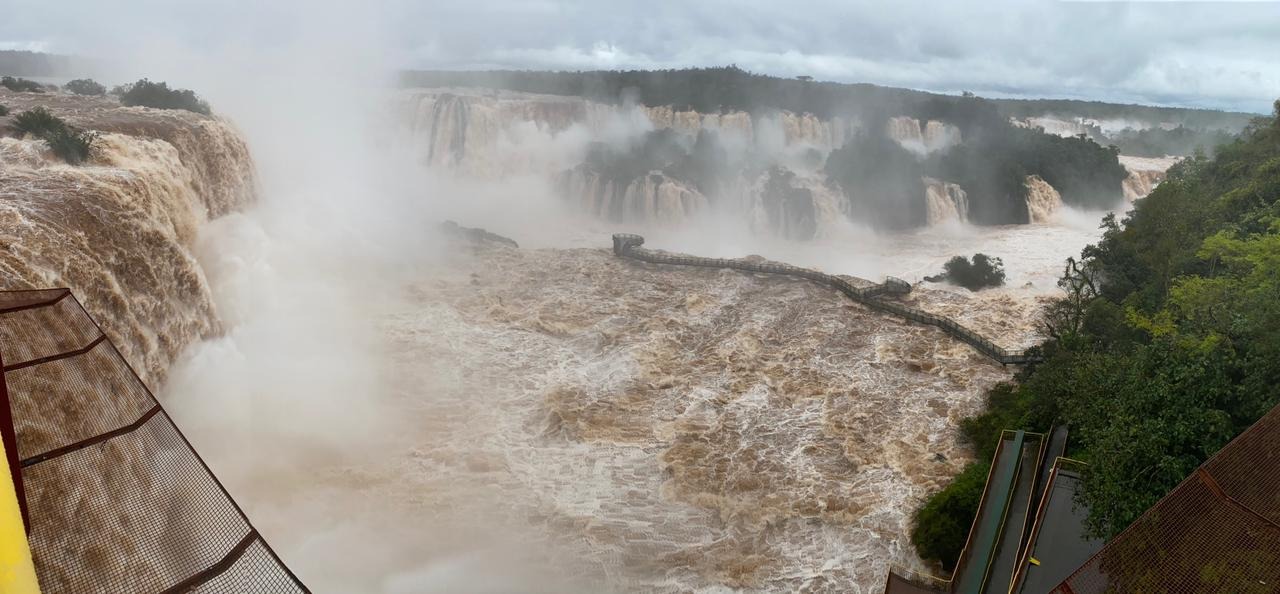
(1043, 201)
(1145, 173)
(1051, 125)
(120, 230)
(447, 142)
(498, 134)
(492, 134)
(945, 202)
(793, 206)
(650, 198)
(922, 139)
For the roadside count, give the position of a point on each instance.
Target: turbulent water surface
(649, 428)
(555, 418)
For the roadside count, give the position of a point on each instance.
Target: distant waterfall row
(603, 159)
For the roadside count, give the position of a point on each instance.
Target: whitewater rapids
(120, 230)
(561, 419)
(605, 425)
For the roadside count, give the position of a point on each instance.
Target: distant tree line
(25, 63)
(1158, 142)
(732, 88)
(1233, 121)
(21, 85)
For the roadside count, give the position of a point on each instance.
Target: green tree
(158, 95)
(21, 85)
(38, 122)
(85, 86)
(942, 525)
(981, 272)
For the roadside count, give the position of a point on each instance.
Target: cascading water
(922, 139)
(649, 198)
(946, 202)
(120, 229)
(1043, 201)
(1145, 173)
(643, 429)
(793, 206)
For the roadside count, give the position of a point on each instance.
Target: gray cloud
(1212, 54)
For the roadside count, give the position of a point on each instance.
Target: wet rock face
(791, 209)
(476, 235)
(120, 230)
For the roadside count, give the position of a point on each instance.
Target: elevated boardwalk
(1028, 533)
(1059, 543)
(628, 245)
(114, 496)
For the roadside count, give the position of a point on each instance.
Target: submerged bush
(21, 85)
(983, 271)
(70, 144)
(86, 86)
(38, 122)
(4, 111)
(158, 94)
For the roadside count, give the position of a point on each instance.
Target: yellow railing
(17, 574)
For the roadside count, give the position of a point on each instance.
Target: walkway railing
(628, 245)
(117, 499)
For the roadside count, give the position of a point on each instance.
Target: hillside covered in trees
(39, 64)
(1166, 346)
(731, 88)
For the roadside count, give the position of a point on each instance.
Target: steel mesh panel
(255, 572)
(18, 299)
(1212, 534)
(30, 334)
(61, 402)
(1237, 468)
(144, 488)
(118, 500)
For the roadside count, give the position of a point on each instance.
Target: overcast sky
(1209, 54)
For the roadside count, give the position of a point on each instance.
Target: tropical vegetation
(158, 95)
(1165, 346)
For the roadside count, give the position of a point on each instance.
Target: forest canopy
(1167, 342)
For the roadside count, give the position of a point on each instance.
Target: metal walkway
(627, 245)
(116, 499)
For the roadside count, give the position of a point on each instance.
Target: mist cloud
(1206, 54)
